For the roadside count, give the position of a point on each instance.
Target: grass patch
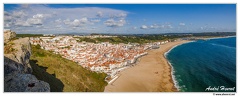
(40, 72)
(73, 77)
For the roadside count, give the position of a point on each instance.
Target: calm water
(198, 65)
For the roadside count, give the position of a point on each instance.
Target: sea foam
(176, 83)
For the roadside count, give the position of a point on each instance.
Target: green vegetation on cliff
(64, 75)
(8, 48)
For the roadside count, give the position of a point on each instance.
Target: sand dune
(151, 74)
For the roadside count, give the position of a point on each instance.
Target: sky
(119, 18)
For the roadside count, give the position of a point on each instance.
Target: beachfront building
(101, 57)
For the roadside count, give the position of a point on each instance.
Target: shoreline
(172, 69)
(155, 75)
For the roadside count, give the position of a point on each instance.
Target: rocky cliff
(17, 70)
(8, 35)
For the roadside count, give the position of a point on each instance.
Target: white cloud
(22, 23)
(6, 13)
(58, 26)
(6, 25)
(19, 14)
(75, 23)
(22, 19)
(34, 21)
(39, 26)
(95, 20)
(122, 15)
(114, 23)
(109, 22)
(7, 18)
(75, 13)
(58, 21)
(134, 27)
(41, 16)
(161, 26)
(181, 24)
(34, 15)
(165, 26)
(154, 26)
(67, 21)
(168, 26)
(29, 22)
(83, 20)
(38, 16)
(143, 27)
(99, 14)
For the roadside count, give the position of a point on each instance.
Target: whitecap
(214, 44)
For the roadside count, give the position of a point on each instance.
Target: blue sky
(119, 18)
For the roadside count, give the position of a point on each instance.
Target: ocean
(204, 66)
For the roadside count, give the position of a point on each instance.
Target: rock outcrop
(17, 70)
(8, 35)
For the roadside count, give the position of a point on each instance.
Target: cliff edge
(17, 70)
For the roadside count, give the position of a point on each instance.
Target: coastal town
(99, 57)
(120, 47)
(115, 61)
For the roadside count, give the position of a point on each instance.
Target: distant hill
(28, 35)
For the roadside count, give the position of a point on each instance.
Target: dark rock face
(17, 82)
(17, 70)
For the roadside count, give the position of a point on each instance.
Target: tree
(38, 46)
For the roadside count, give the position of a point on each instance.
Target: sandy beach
(152, 73)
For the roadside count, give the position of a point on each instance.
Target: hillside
(64, 75)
